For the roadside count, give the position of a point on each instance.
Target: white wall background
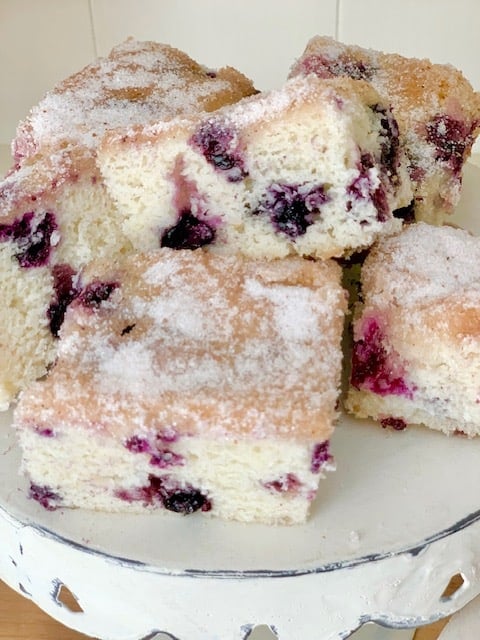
(42, 41)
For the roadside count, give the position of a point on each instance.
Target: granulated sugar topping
(224, 335)
(139, 82)
(423, 263)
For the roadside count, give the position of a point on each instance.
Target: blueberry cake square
(436, 108)
(314, 168)
(55, 212)
(188, 381)
(416, 334)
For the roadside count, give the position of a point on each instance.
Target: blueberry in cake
(189, 381)
(314, 168)
(416, 349)
(55, 213)
(437, 111)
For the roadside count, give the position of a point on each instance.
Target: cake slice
(55, 213)
(416, 350)
(138, 82)
(188, 381)
(314, 168)
(437, 111)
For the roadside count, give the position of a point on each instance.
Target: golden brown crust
(427, 277)
(309, 94)
(138, 82)
(127, 60)
(414, 85)
(250, 395)
(436, 108)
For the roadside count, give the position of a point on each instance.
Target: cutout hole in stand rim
(65, 598)
(456, 583)
(261, 632)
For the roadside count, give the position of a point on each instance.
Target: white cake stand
(393, 524)
(389, 530)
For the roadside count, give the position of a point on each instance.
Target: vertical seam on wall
(337, 20)
(92, 28)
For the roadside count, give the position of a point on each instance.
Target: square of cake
(314, 168)
(416, 348)
(55, 212)
(435, 106)
(190, 381)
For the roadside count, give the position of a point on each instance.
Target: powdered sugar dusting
(214, 342)
(426, 263)
(295, 309)
(130, 366)
(159, 272)
(272, 104)
(138, 83)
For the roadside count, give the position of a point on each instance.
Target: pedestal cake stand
(388, 532)
(389, 529)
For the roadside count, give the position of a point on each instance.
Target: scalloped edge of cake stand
(122, 600)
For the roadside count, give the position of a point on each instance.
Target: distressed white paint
(127, 601)
(388, 532)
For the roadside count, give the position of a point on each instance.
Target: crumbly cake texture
(189, 381)
(416, 350)
(314, 168)
(55, 212)
(437, 111)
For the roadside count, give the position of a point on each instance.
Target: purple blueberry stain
(188, 233)
(373, 367)
(138, 444)
(325, 67)
(165, 458)
(320, 456)
(65, 291)
(390, 422)
(171, 495)
(45, 496)
(286, 483)
(160, 456)
(33, 237)
(220, 147)
(292, 208)
(451, 138)
(137, 494)
(364, 188)
(95, 293)
(390, 145)
(45, 432)
(154, 445)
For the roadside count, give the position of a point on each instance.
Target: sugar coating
(427, 266)
(437, 111)
(191, 353)
(206, 328)
(137, 82)
(416, 354)
(55, 178)
(313, 168)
